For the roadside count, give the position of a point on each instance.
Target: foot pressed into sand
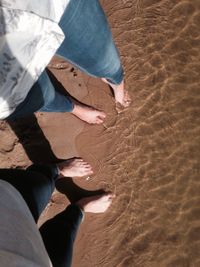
(121, 95)
(88, 114)
(96, 204)
(75, 167)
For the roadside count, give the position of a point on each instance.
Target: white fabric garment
(29, 37)
(20, 241)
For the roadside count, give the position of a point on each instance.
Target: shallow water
(149, 155)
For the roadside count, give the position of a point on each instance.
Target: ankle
(119, 86)
(81, 204)
(76, 109)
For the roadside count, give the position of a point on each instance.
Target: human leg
(60, 232)
(121, 95)
(88, 114)
(42, 97)
(74, 167)
(89, 45)
(37, 183)
(34, 185)
(54, 101)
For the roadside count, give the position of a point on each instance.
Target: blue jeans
(88, 45)
(42, 97)
(36, 185)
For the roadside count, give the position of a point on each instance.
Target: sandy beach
(147, 154)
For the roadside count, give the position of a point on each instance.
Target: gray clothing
(20, 242)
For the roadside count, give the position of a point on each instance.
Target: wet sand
(149, 154)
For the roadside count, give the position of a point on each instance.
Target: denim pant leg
(42, 97)
(88, 41)
(35, 185)
(59, 233)
(53, 100)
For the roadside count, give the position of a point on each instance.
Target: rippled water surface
(151, 152)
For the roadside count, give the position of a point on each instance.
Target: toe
(126, 104)
(77, 160)
(85, 163)
(102, 115)
(99, 121)
(87, 169)
(89, 172)
(109, 197)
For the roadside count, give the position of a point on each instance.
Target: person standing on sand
(31, 33)
(24, 194)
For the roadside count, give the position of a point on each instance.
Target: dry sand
(149, 154)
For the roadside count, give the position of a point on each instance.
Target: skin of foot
(121, 95)
(96, 204)
(75, 167)
(88, 114)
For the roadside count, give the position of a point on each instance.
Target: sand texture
(148, 154)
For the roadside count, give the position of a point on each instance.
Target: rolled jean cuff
(59, 103)
(117, 78)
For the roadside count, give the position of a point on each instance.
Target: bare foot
(96, 204)
(121, 96)
(74, 167)
(88, 114)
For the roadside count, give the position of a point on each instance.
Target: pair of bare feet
(95, 116)
(77, 167)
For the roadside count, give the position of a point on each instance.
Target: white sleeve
(28, 41)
